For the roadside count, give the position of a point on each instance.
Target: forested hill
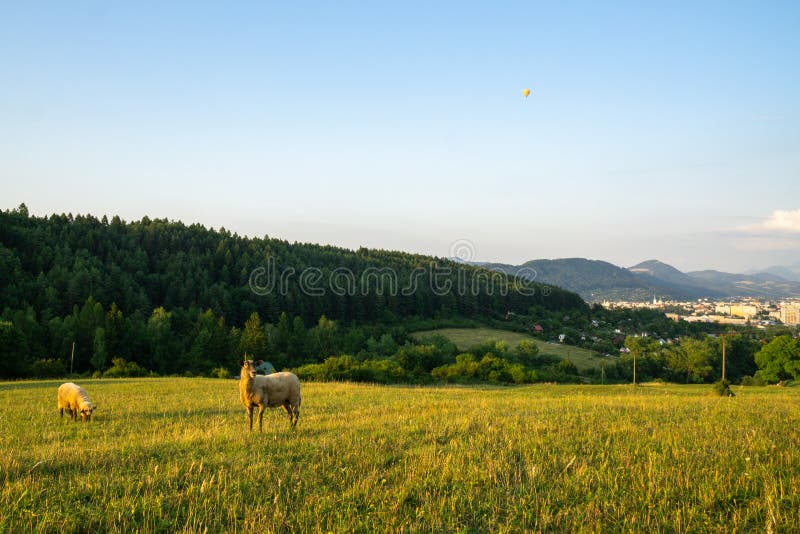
(51, 266)
(55, 263)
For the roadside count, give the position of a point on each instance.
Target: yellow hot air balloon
(526, 92)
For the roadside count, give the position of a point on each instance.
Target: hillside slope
(55, 263)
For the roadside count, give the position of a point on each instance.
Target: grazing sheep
(74, 399)
(270, 391)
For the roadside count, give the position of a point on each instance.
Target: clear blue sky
(664, 131)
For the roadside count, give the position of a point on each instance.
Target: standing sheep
(74, 399)
(270, 391)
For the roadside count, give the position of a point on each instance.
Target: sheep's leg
(62, 412)
(293, 411)
(261, 418)
(250, 415)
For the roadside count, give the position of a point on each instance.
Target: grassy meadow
(464, 338)
(174, 454)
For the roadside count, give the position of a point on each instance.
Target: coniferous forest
(170, 298)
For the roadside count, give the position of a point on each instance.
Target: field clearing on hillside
(464, 338)
(173, 454)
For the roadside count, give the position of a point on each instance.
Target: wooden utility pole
(72, 357)
(723, 357)
(634, 368)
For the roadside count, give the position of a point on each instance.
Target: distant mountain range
(787, 272)
(596, 280)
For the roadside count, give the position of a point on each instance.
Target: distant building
(745, 311)
(722, 309)
(790, 314)
(537, 329)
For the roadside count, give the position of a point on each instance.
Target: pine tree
(99, 353)
(253, 341)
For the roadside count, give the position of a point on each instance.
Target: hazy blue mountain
(597, 280)
(787, 272)
(762, 285)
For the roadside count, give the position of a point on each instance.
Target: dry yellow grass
(401, 459)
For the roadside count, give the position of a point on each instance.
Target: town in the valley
(745, 311)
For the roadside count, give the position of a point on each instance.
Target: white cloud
(783, 221)
(780, 222)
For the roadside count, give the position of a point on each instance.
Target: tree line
(157, 296)
(767, 358)
(176, 298)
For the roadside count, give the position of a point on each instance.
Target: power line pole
(72, 357)
(723, 357)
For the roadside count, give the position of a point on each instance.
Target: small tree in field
(723, 388)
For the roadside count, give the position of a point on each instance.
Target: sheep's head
(248, 368)
(86, 412)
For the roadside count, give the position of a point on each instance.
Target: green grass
(465, 338)
(174, 455)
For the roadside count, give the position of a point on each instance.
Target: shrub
(421, 359)
(520, 375)
(120, 368)
(345, 367)
(383, 371)
(752, 381)
(723, 388)
(567, 367)
(48, 368)
(220, 372)
(464, 370)
(490, 368)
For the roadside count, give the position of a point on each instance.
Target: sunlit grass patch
(174, 454)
